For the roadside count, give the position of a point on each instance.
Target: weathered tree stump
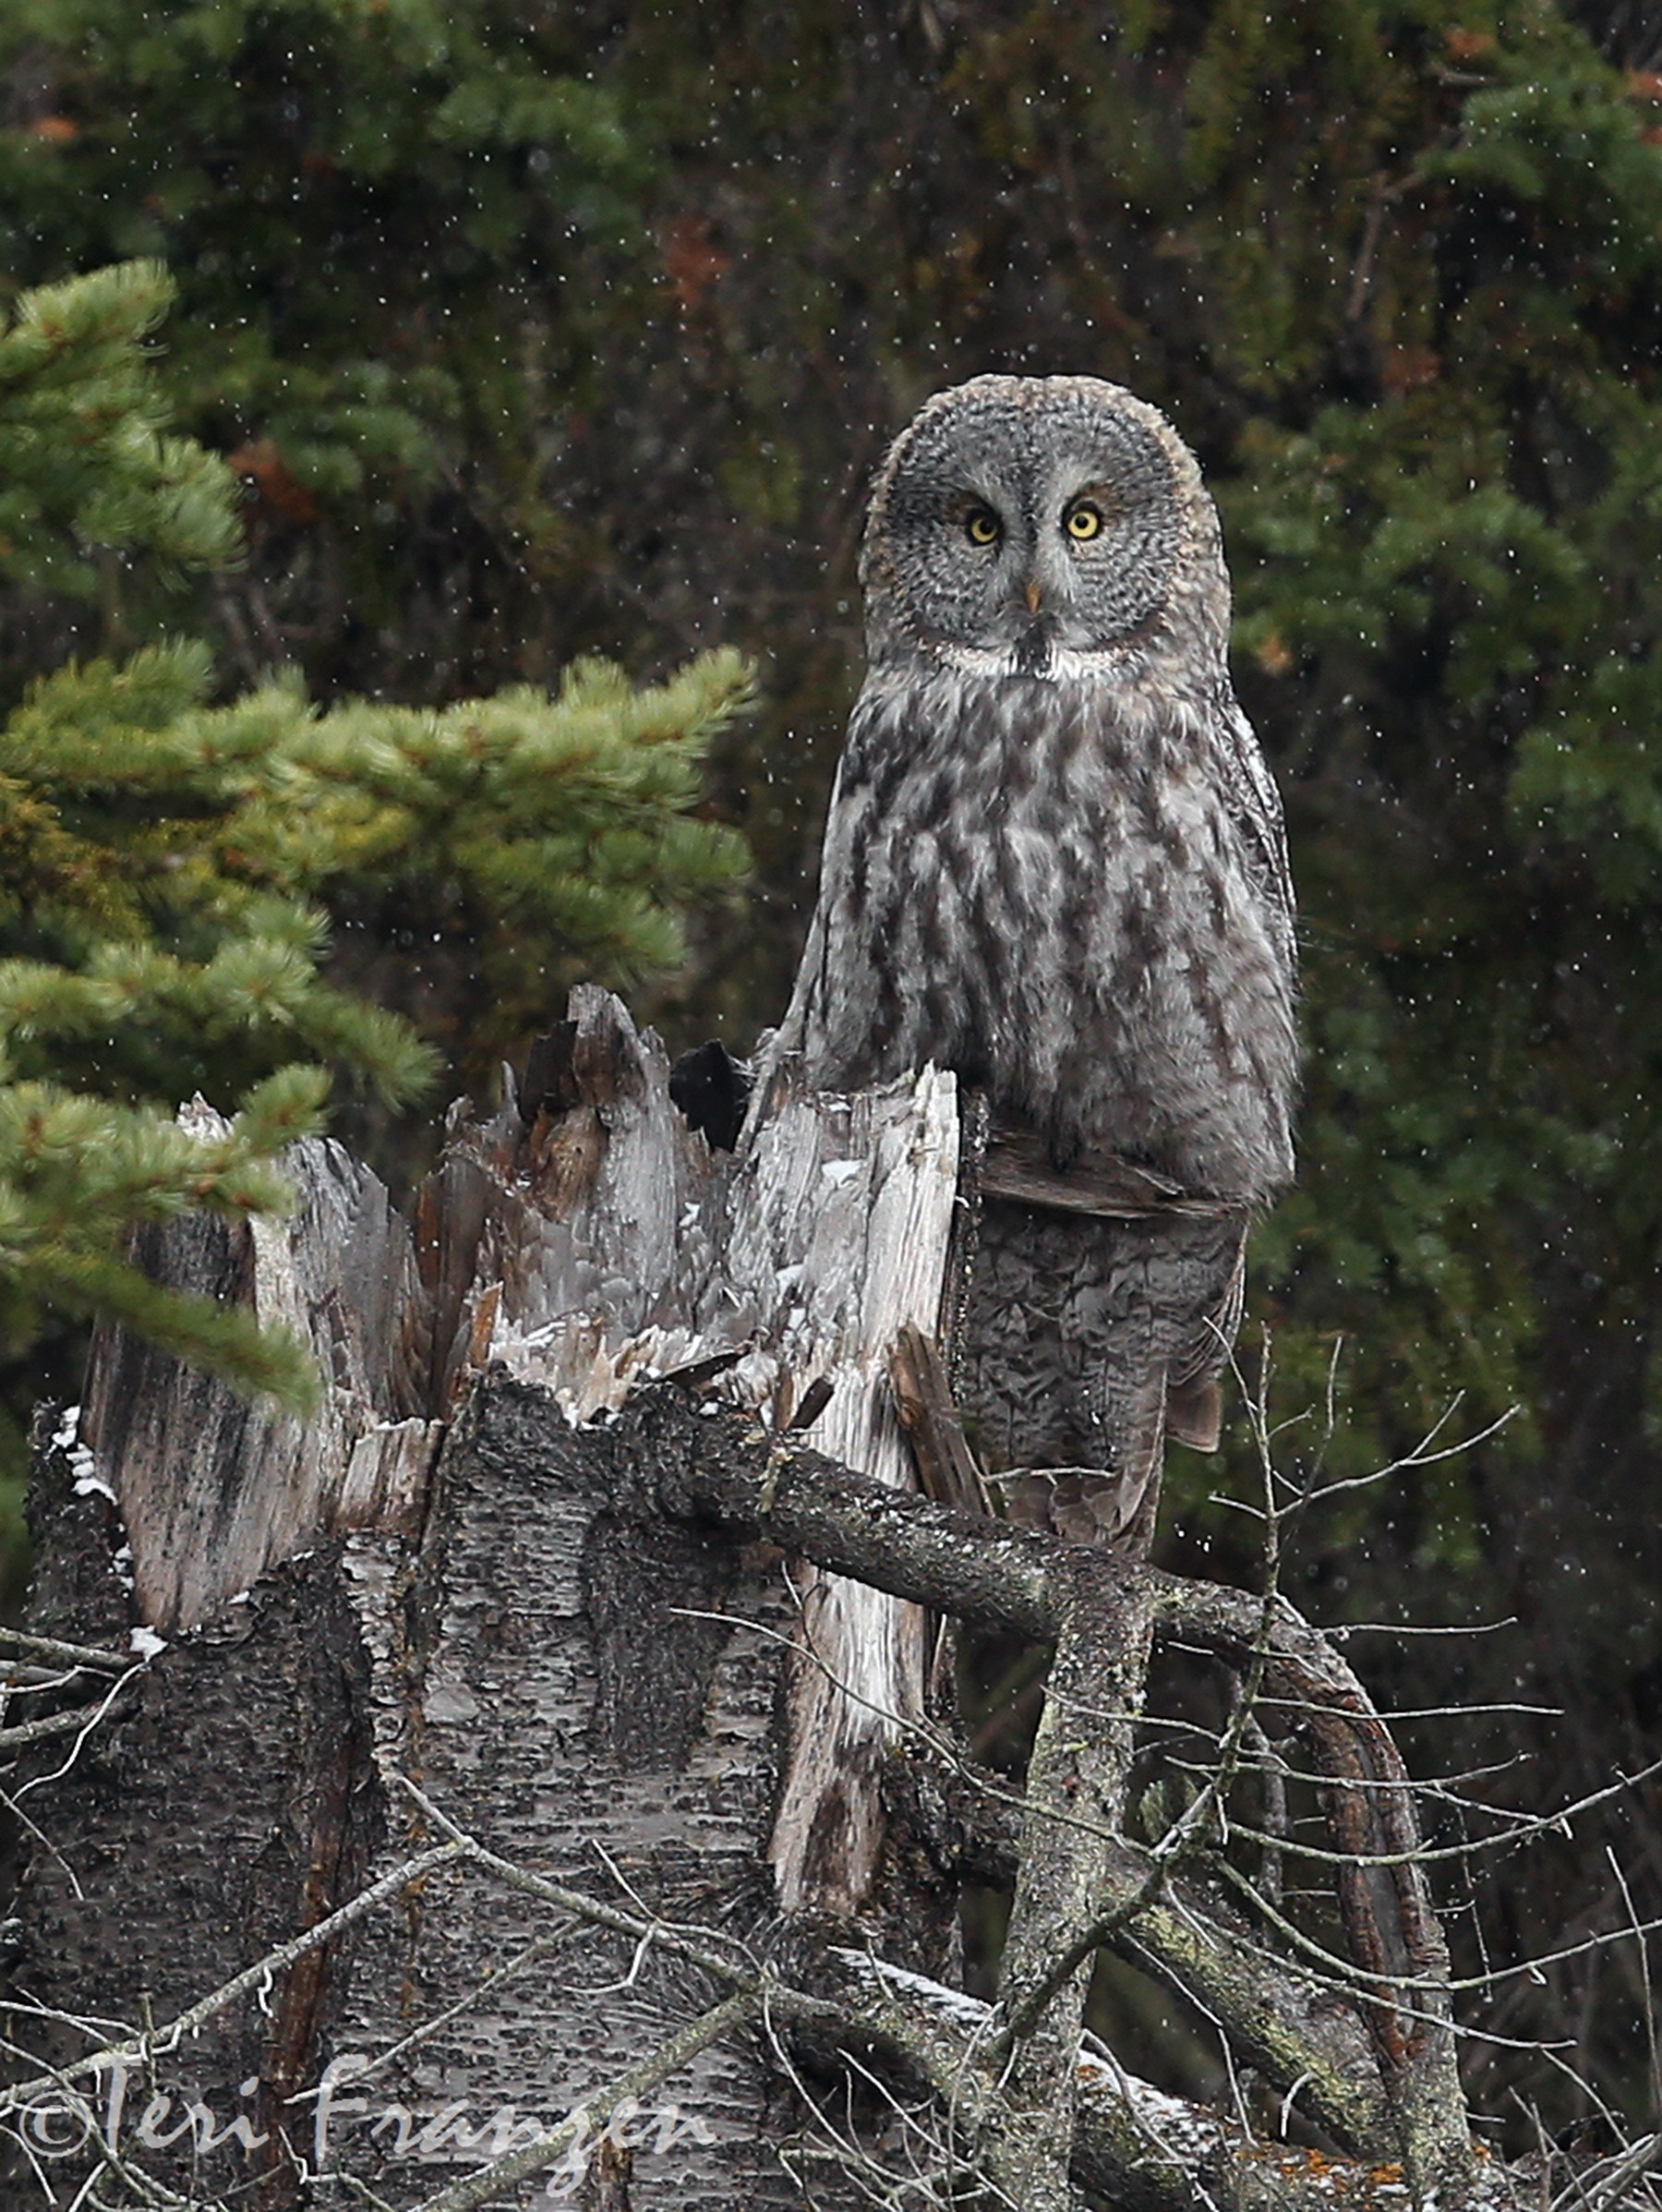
(537, 1738)
(445, 1575)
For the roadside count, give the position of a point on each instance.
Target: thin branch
(88, 1719)
(50, 1724)
(589, 2119)
(70, 1655)
(153, 2043)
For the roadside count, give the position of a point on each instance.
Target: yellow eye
(1083, 522)
(982, 526)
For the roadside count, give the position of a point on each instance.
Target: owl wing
(835, 1017)
(1255, 805)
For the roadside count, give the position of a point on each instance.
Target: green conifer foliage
(536, 333)
(539, 333)
(169, 862)
(123, 943)
(377, 212)
(87, 460)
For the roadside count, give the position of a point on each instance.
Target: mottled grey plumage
(1054, 864)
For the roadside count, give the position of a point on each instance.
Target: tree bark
(517, 1781)
(432, 1580)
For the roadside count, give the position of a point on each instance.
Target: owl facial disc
(1023, 518)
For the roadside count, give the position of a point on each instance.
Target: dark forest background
(534, 332)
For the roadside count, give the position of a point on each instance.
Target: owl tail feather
(1194, 1414)
(1086, 1341)
(1113, 1504)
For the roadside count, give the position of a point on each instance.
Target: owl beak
(1031, 593)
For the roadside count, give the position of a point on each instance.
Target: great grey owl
(1054, 864)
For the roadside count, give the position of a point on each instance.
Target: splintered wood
(617, 1248)
(586, 1244)
(212, 1491)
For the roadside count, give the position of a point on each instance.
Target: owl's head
(1031, 524)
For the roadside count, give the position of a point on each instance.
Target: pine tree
(169, 861)
(535, 331)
